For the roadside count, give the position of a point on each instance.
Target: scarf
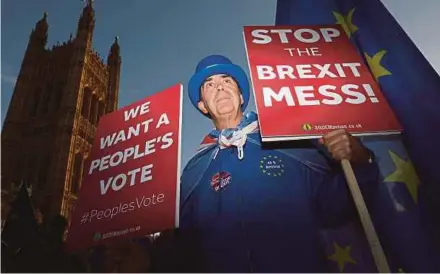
(237, 137)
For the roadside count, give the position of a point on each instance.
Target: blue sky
(162, 40)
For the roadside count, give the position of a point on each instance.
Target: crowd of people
(45, 253)
(33, 243)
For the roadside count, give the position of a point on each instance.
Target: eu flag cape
(264, 213)
(407, 214)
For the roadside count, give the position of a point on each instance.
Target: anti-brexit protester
(249, 209)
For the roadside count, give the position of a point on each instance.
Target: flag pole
(367, 223)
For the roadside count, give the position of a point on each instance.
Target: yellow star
(374, 63)
(346, 22)
(404, 173)
(342, 256)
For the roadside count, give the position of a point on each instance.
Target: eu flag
(407, 210)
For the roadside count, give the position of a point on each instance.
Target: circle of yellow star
(274, 160)
(375, 66)
(346, 22)
(342, 256)
(404, 173)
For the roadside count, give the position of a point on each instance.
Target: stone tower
(58, 99)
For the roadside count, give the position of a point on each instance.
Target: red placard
(309, 80)
(130, 186)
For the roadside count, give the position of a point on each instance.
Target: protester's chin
(225, 109)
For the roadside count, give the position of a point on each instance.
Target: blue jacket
(263, 213)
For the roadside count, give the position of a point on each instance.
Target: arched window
(24, 167)
(36, 101)
(31, 163)
(77, 173)
(94, 110)
(85, 109)
(57, 97)
(43, 171)
(101, 111)
(46, 99)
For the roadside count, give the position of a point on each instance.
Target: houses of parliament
(50, 125)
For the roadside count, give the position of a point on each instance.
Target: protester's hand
(342, 145)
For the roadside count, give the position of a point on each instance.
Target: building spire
(40, 33)
(86, 23)
(114, 50)
(114, 70)
(88, 12)
(88, 2)
(42, 23)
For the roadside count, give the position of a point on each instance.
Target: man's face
(220, 96)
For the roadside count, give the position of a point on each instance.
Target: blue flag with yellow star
(406, 213)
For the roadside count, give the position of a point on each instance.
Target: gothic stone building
(51, 121)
